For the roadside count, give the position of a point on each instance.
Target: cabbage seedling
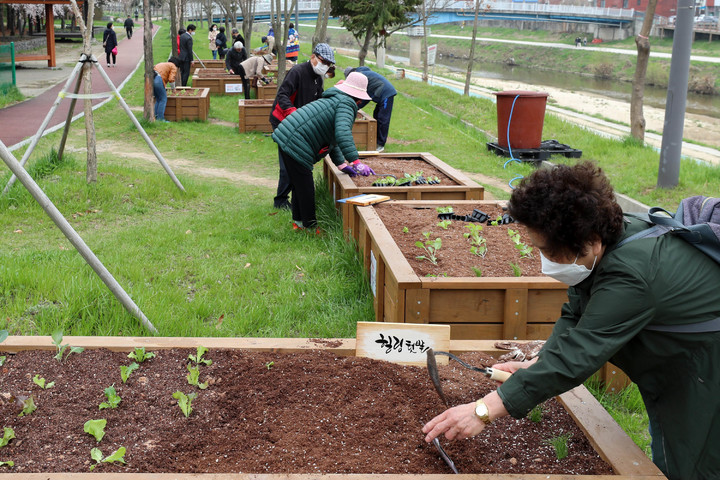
(96, 428)
(113, 399)
(116, 456)
(198, 359)
(57, 337)
(431, 247)
(9, 463)
(140, 356)
(28, 406)
(41, 382)
(8, 434)
(185, 401)
(193, 377)
(125, 371)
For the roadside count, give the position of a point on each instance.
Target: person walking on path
(186, 53)
(165, 74)
(221, 42)
(319, 128)
(293, 46)
(303, 84)
(212, 37)
(647, 306)
(129, 24)
(110, 44)
(383, 94)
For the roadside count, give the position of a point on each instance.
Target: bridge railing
(544, 8)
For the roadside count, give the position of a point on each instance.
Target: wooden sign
(404, 343)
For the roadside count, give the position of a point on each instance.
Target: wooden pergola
(49, 28)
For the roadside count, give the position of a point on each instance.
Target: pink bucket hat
(354, 85)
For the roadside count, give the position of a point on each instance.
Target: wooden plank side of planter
(194, 65)
(182, 107)
(266, 92)
(364, 131)
(254, 115)
(216, 85)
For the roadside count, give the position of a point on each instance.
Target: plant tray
(194, 65)
(454, 185)
(188, 107)
(607, 439)
(536, 155)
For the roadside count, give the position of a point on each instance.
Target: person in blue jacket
(382, 93)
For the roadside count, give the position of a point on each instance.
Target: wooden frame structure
(49, 28)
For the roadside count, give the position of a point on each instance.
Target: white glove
(171, 85)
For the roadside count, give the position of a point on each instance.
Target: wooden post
(50, 34)
(68, 120)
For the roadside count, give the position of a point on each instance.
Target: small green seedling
(447, 209)
(405, 230)
(185, 401)
(116, 456)
(57, 337)
(28, 406)
(525, 250)
(41, 382)
(140, 356)
(125, 371)
(516, 270)
(269, 365)
(431, 247)
(8, 434)
(438, 275)
(478, 244)
(113, 399)
(444, 224)
(96, 428)
(478, 272)
(9, 463)
(560, 445)
(193, 377)
(2, 360)
(198, 359)
(497, 221)
(536, 414)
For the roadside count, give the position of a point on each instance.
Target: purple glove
(363, 169)
(349, 170)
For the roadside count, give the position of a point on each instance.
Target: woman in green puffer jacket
(319, 128)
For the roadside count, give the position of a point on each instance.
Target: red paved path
(23, 120)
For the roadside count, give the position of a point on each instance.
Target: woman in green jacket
(631, 305)
(319, 128)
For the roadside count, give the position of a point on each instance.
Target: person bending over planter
(319, 128)
(383, 94)
(235, 56)
(632, 305)
(252, 67)
(165, 74)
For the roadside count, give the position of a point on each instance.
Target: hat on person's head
(268, 57)
(324, 50)
(263, 39)
(238, 45)
(354, 85)
(349, 70)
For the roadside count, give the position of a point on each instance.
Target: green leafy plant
(2, 360)
(444, 274)
(269, 365)
(497, 221)
(125, 371)
(8, 434)
(560, 445)
(28, 406)
(198, 359)
(536, 414)
(525, 250)
(57, 337)
(447, 209)
(478, 244)
(444, 224)
(516, 270)
(405, 230)
(193, 377)
(185, 401)
(113, 399)
(431, 247)
(140, 356)
(41, 382)
(117, 456)
(96, 428)
(478, 272)
(9, 463)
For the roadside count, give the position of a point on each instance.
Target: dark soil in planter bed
(309, 412)
(399, 167)
(454, 257)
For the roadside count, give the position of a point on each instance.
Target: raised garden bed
(211, 72)
(220, 84)
(454, 185)
(266, 92)
(279, 407)
(364, 131)
(194, 65)
(187, 103)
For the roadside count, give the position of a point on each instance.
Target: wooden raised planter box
(364, 131)
(188, 107)
(456, 186)
(254, 115)
(606, 437)
(221, 83)
(194, 65)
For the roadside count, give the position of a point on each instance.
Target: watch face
(481, 410)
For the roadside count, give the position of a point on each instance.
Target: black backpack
(697, 221)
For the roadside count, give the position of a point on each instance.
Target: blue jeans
(160, 97)
(214, 54)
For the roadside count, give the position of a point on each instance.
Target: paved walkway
(19, 122)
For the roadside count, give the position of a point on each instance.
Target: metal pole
(12, 62)
(74, 238)
(44, 124)
(68, 120)
(136, 123)
(199, 60)
(671, 147)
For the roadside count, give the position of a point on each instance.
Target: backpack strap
(700, 327)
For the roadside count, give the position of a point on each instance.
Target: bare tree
(247, 9)
(230, 9)
(280, 14)
(174, 26)
(468, 75)
(637, 118)
(320, 35)
(149, 104)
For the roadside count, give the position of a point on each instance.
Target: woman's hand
(461, 422)
(513, 367)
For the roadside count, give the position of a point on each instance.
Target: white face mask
(321, 69)
(570, 273)
(214, 29)
(192, 33)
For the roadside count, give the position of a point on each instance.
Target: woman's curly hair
(570, 206)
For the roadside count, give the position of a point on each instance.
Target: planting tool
(444, 455)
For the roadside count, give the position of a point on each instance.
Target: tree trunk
(173, 28)
(247, 8)
(468, 75)
(149, 104)
(637, 118)
(366, 44)
(425, 44)
(320, 35)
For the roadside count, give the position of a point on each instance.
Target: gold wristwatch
(482, 412)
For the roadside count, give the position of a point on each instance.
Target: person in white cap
(320, 128)
(235, 56)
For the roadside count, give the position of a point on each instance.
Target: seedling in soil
(560, 445)
(9, 463)
(185, 401)
(477, 242)
(404, 230)
(525, 250)
(516, 270)
(444, 224)
(117, 456)
(198, 359)
(447, 209)
(140, 356)
(478, 272)
(269, 365)
(41, 382)
(57, 337)
(28, 406)
(8, 434)
(431, 247)
(125, 371)
(536, 414)
(2, 360)
(193, 377)
(96, 428)
(113, 399)
(496, 222)
(439, 275)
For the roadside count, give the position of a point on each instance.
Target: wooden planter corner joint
(187, 107)
(607, 438)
